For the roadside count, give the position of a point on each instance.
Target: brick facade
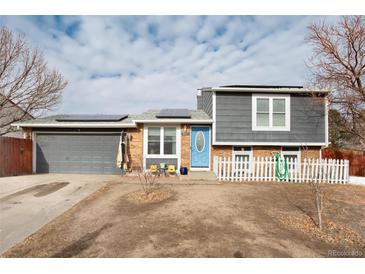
(311, 152)
(265, 151)
(220, 151)
(185, 146)
(135, 147)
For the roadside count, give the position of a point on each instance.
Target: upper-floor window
(271, 112)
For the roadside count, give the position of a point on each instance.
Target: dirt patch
(81, 244)
(38, 190)
(228, 220)
(153, 197)
(332, 233)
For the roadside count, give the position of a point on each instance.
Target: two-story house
(230, 121)
(254, 121)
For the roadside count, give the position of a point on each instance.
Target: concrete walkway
(29, 202)
(207, 176)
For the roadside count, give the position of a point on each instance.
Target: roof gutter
(74, 125)
(175, 121)
(103, 125)
(281, 90)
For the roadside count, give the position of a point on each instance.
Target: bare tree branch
(27, 85)
(338, 63)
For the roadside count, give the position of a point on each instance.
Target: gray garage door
(77, 153)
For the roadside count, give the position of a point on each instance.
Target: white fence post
(263, 169)
(341, 172)
(219, 168)
(215, 165)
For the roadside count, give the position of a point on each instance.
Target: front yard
(201, 220)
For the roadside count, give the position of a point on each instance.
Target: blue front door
(200, 147)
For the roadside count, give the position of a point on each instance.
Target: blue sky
(128, 64)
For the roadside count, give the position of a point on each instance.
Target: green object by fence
(281, 169)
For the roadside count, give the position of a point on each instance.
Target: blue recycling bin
(183, 170)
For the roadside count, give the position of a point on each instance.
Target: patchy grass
(222, 220)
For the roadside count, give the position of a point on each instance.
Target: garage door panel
(77, 153)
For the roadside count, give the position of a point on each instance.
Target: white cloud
(118, 64)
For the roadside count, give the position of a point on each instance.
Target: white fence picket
(341, 172)
(224, 169)
(263, 169)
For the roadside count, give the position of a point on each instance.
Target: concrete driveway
(29, 202)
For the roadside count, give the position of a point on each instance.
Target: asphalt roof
(150, 115)
(260, 86)
(91, 118)
(67, 118)
(264, 89)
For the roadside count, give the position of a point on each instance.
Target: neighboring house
(231, 121)
(9, 112)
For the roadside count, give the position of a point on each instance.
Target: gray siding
(234, 120)
(157, 161)
(205, 102)
(198, 102)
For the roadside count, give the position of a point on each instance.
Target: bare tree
(25, 81)
(338, 63)
(338, 136)
(318, 190)
(148, 180)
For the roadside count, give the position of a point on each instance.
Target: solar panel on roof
(174, 113)
(92, 118)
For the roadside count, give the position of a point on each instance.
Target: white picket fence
(263, 169)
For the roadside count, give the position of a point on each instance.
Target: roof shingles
(150, 115)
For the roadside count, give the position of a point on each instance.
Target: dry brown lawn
(201, 220)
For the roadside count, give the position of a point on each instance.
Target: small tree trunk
(319, 208)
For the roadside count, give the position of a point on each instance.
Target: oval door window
(199, 141)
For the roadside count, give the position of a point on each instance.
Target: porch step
(199, 176)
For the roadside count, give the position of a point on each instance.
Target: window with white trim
(169, 141)
(271, 112)
(154, 140)
(243, 154)
(161, 141)
(291, 155)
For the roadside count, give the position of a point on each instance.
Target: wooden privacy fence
(356, 159)
(15, 156)
(263, 169)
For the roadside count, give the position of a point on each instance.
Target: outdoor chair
(171, 169)
(153, 169)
